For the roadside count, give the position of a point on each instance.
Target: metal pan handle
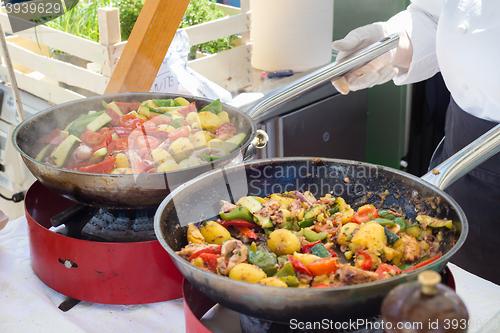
(332, 71)
(465, 160)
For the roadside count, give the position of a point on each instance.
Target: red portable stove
(92, 269)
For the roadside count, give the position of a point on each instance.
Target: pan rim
(229, 157)
(178, 260)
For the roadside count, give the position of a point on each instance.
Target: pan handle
(465, 160)
(258, 142)
(330, 72)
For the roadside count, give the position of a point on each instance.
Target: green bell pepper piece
(214, 107)
(287, 226)
(306, 223)
(424, 258)
(312, 236)
(177, 122)
(404, 267)
(286, 270)
(334, 210)
(320, 251)
(268, 231)
(385, 214)
(270, 271)
(239, 213)
(262, 259)
(166, 102)
(282, 259)
(401, 222)
(291, 281)
(385, 222)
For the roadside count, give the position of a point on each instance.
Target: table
(27, 305)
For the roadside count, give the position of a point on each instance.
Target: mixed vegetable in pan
(288, 240)
(147, 137)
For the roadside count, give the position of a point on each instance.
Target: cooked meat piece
(295, 208)
(226, 206)
(412, 248)
(352, 275)
(192, 248)
(240, 254)
(270, 207)
(225, 131)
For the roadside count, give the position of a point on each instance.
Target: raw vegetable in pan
(152, 136)
(288, 240)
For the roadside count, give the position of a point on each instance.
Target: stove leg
(68, 304)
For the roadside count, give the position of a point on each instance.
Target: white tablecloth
(27, 305)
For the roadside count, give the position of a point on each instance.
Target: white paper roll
(291, 34)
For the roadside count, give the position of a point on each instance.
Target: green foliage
(200, 11)
(129, 12)
(81, 20)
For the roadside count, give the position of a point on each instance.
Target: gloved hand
(379, 70)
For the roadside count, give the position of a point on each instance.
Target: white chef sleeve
(420, 22)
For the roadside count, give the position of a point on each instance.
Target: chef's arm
(413, 60)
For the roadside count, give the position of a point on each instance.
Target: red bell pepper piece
(104, 167)
(321, 285)
(298, 266)
(57, 140)
(423, 263)
(111, 148)
(333, 253)
(122, 131)
(387, 268)
(210, 260)
(323, 266)
(247, 232)
(239, 223)
(212, 249)
(367, 262)
(127, 107)
(307, 248)
(77, 166)
(49, 137)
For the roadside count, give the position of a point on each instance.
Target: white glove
(379, 70)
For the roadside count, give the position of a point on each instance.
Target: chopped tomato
(423, 263)
(307, 248)
(386, 268)
(367, 262)
(49, 137)
(298, 266)
(130, 121)
(104, 167)
(181, 132)
(111, 148)
(365, 213)
(124, 144)
(148, 125)
(321, 285)
(94, 139)
(210, 260)
(108, 137)
(147, 141)
(323, 266)
(212, 249)
(57, 140)
(135, 134)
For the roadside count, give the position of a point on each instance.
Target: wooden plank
(208, 31)
(45, 90)
(59, 70)
(245, 8)
(228, 10)
(63, 41)
(231, 69)
(146, 48)
(109, 26)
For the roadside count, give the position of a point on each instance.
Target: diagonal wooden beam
(146, 48)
